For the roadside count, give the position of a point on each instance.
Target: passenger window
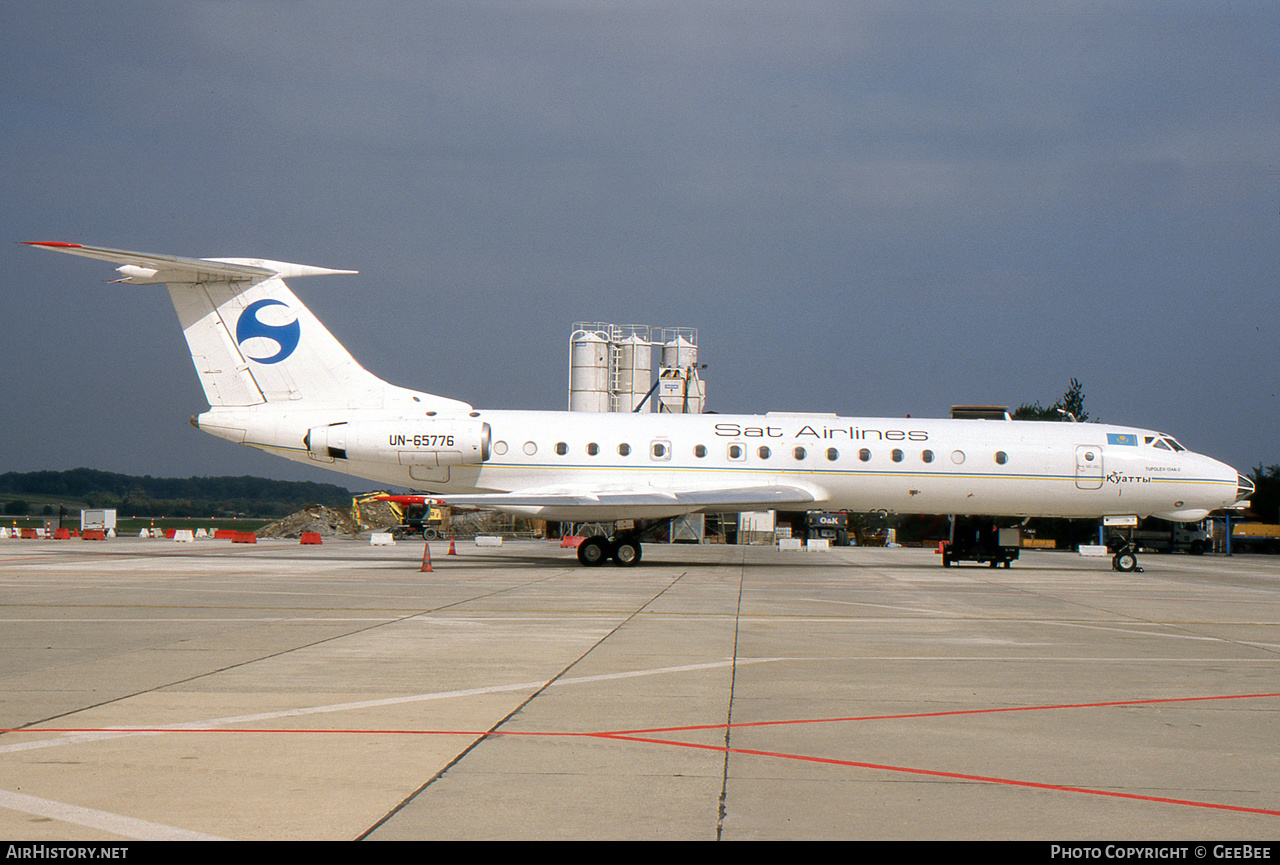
(562, 448)
(660, 451)
(530, 448)
(737, 452)
(699, 451)
(1001, 458)
(593, 449)
(799, 453)
(897, 455)
(764, 452)
(833, 454)
(957, 457)
(624, 449)
(926, 456)
(864, 455)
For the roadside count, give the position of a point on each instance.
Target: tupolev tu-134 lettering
(276, 379)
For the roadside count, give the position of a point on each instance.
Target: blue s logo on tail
(285, 335)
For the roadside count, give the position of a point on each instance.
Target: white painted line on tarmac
(115, 733)
(116, 824)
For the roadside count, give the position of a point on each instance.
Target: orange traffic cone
(453, 551)
(426, 559)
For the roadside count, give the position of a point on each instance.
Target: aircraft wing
(640, 502)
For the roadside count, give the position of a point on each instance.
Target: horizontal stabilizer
(145, 268)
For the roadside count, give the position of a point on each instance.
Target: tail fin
(252, 341)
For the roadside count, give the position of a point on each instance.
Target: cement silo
(679, 353)
(633, 373)
(588, 371)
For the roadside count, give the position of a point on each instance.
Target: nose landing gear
(1125, 560)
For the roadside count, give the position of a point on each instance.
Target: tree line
(176, 497)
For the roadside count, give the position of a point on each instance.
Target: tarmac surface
(151, 689)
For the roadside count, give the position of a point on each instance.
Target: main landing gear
(623, 548)
(625, 552)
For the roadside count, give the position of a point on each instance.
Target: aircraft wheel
(1125, 562)
(627, 554)
(593, 552)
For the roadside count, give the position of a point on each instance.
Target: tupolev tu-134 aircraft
(277, 379)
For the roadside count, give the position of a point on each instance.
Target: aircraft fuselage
(908, 465)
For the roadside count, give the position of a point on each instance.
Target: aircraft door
(1088, 467)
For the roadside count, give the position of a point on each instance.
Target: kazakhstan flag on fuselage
(1122, 439)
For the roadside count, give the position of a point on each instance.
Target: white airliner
(277, 380)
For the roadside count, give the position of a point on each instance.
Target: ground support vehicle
(979, 539)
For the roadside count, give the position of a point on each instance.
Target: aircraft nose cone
(1244, 487)
(1230, 477)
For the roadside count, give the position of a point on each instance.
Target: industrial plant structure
(611, 369)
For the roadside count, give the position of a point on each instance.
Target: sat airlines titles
(733, 430)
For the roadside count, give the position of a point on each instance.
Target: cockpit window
(1159, 443)
(1173, 442)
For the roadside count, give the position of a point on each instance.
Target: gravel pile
(325, 521)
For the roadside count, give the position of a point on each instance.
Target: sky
(870, 208)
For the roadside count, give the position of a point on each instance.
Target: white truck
(98, 518)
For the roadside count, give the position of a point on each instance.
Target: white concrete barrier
(382, 539)
(184, 536)
(790, 544)
(1093, 550)
(488, 540)
(815, 545)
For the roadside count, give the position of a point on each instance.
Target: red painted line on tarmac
(830, 761)
(633, 736)
(945, 714)
(753, 752)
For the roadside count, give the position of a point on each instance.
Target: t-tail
(252, 341)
